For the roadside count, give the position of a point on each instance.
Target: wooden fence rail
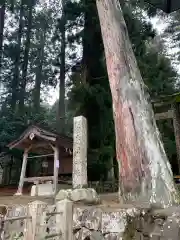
(4, 231)
(40, 222)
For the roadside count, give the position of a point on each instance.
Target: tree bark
(25, 60)
(37, 88)
(176, 123)
(144, 170)
(15, 81)
(61, 103)
(91, 37)
(2, 18)
(111, 170)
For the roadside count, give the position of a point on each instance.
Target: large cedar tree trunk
(39, 69)
(25, 60)
(176, 123)
(2, 17)
(61, 103)
(15, 81)
(144, 170)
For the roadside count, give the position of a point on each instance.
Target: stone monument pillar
(80, 152)
(80, 191)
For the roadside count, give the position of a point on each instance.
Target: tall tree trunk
(61, 103)
(37, 88)
(86, 46)
(111, 170)
(144, 170)
(15, 81)
(2, 17)
(25, 60)
(176, 123)
(91, 37)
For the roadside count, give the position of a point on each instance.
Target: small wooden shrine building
(53, 150)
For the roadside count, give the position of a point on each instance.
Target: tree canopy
(47, 45)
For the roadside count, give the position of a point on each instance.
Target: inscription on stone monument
(80, 152)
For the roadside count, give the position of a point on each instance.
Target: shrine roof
(36, 136)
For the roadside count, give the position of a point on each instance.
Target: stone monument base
(85, 195)
(42, 190)
(18, 194)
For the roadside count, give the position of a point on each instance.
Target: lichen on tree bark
(144, 173)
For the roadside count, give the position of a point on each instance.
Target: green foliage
(87, 87)
(92, 97)
(158, 74)
(12, 126)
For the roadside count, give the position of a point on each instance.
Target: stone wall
(128, 223)
(112, 223)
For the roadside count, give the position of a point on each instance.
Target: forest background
(50, 46)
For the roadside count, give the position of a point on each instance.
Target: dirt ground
(7, 198)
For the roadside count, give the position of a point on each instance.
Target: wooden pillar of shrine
(56, 168)
(23, 172)
(176, 123)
